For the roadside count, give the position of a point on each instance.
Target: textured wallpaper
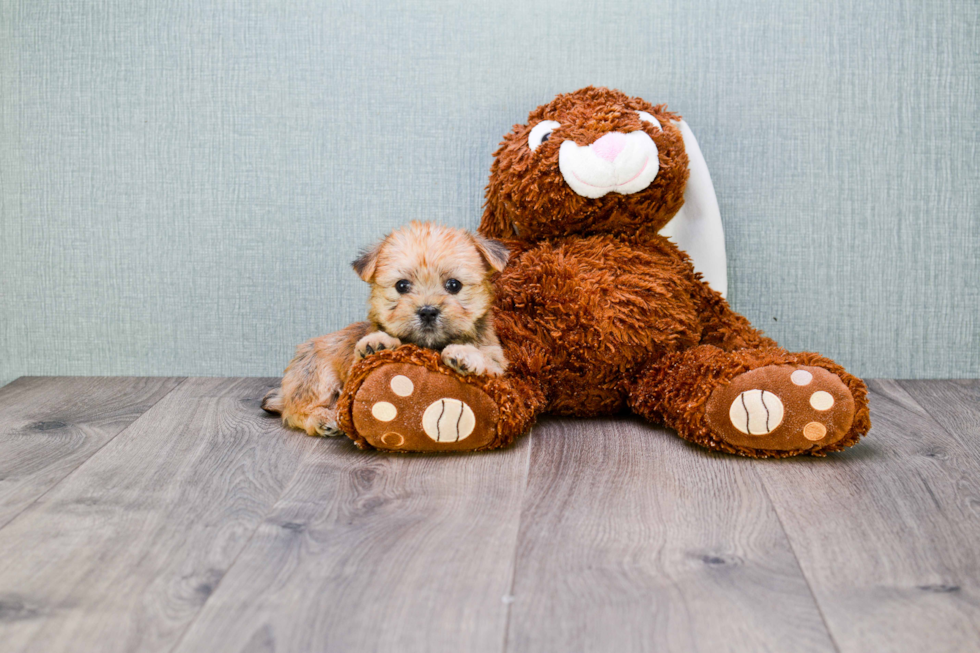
(183, 183)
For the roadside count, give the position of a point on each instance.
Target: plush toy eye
(453, 286)
(403, 286)
(646, 117)
(540, 133)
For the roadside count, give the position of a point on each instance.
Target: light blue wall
(182, 183)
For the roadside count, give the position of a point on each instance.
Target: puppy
(430, 286)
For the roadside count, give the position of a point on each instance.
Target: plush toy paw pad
(401, 385)
(821, 400)
(384, 411)
(814, 431)
(782, 408)
(756, 412)
(448, 420)
(405, 407)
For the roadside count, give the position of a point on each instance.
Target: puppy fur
(431, 287)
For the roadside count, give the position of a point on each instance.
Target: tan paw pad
(821, 400)
(814, 431)
(448, 420)
(756, 412)
(402, 386)
(384, 411)
(801, 377)
(393, 439)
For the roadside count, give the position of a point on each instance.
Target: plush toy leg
(407, 400)
(755, 402)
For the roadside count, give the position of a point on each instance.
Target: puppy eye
(403, 286)
(540, 133)
(453, 286)
(646, 117)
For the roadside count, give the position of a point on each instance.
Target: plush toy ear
(696, 228)
(367, 262)
(494, 252)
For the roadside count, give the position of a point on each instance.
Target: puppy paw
(319, 421)
(374, 342)
(466, 359)
(328, 430)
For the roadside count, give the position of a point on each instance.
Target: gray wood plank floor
(50, 426)
(173, 515)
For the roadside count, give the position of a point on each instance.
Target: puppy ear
(494, 252)
(366, 263)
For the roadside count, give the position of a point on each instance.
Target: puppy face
(431, 283)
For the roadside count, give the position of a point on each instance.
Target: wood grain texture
(122, 554)
(50, 426)
(954, 404)
(203, 525)
(887, 532)
(376, 552)
(633, 540)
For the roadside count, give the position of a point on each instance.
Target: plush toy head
(592, 161)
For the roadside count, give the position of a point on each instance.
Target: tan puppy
(430, 286)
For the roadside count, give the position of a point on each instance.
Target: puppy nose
(609, 146)
(428, 314)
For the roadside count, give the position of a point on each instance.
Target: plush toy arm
(697, 229)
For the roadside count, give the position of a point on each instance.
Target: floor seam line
(935, 420)
(251, 536)
(517, 541)
(93, 454)
(799, 565)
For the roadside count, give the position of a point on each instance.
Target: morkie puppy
(430, 286)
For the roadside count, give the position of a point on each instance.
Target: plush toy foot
(404, 407)
(408, 400)
(781, 408)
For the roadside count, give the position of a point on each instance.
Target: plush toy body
(598, 313)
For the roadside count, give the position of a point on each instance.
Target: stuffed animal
(599, 311)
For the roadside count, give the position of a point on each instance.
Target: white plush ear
(696, 229)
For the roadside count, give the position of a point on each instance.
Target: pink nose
(609, 146)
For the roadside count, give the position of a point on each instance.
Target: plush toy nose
(609, 146)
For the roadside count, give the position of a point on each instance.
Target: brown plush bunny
(598, 313)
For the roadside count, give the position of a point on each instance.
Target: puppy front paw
(328, 429)
(467, 359)
(374, 342)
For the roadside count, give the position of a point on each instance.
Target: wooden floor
(173, 515)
